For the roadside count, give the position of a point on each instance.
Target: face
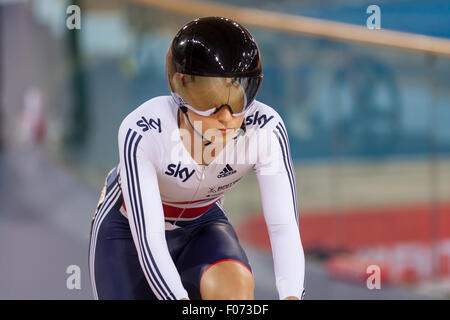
(218, 127)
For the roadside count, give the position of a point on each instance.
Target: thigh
(115, 269)
(211, 243)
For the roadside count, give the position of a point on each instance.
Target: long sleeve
(145, 214)
(276, 179)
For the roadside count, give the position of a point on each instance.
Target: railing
(307, 26)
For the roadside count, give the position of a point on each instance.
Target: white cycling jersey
(162, 184)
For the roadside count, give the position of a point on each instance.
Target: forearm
(164, 268)
(289, 260)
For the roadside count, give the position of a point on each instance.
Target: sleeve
(145, 214)
(276, 179)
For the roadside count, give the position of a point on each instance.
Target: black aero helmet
(212, 62)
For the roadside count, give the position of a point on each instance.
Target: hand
(291, 298)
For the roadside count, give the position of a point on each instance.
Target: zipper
(203, 174)
(202, 178)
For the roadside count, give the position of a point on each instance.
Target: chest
(180, 178)
(183, 181)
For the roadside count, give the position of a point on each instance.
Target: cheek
(210, 124)
(238, 121)
(233, 123)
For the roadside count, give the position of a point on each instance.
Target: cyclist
(159, 230)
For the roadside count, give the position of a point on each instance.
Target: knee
(227, 280)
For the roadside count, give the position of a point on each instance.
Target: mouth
(226, 131)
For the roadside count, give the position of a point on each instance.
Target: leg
(213, 264)
(116, 273)
(227, 280)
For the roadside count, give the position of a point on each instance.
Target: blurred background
(368, 126)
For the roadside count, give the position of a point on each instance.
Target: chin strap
(240, 131)
(184, 110)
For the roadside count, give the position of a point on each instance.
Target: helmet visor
(205, 95)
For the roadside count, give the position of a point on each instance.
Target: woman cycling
(159, 230)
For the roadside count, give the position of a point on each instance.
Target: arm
(145, 214)
(277, 186)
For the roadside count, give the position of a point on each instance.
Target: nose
(224, 115)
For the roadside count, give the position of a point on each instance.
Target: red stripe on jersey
(187, 202)
(174, 212)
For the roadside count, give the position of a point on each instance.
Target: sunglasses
(207, 95)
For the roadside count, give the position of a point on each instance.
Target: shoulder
(268, 135)
(150, 116)
(262, 116)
